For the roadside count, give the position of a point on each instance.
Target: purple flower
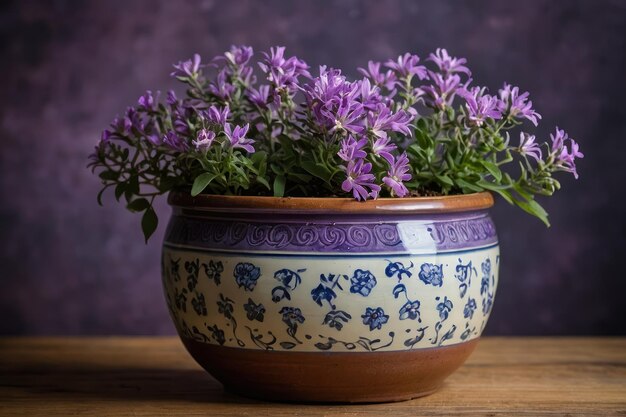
(348, 116)
(283, 73)
(121, 126)
(528, 146)
(237, 137)
(406, 65)
(448, 64)
(351, 149)
(217, 116)
(204, 140)
(106, 135)
(147, 102)
(383, 147)
(358, 178)
(370, 94)
(239, 55)
(172, 100)
(397, 174)
(378, 78)
(516, 104)
(565, 158)
(332, 99)
(187, 68)
(382, 119)
(480, 106)
(175, 142)
(260, 97)
(222, 88)
(442, 90)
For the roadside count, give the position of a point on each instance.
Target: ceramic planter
(330, 300)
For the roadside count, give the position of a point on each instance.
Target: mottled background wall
(67, 67)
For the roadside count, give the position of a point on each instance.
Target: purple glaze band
(320, 234)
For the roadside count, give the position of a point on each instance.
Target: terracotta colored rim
(409, 205)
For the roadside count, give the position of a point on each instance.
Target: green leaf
(317, 170)
(263, 181)
(534, 208)
(109, 175)
(466, 185)
(258, 157)
(201, 182)
(139, 204)
(132, 188)
(149, 223)
(445, 179)
(493, 170)
(302, 177)
(119, 190)
(99, 197)
(279, 186)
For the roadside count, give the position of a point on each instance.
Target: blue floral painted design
(431, 274)
(485, 285)
(246, 275)
(292, 316)
(374, 317)
(193, 269)
(225, 306)
(336, 319)
(289, 280)
(175, 269)
(213, 270)
(363, 342)
(444, 308)
(464, 274)
(484, 282)
(399, 270)
(199, 304)
(325, 291)
(412, 341)
(363, 282)
(217, 334)
(254, 311)
(487, 304)
(410, 310)
(470, 307)
(180, 299)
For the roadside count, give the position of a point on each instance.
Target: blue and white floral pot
(330, 300)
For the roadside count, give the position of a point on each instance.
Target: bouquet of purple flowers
(406, 128)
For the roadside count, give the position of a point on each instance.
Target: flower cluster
(407, 127)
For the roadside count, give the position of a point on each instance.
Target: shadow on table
(134, 384)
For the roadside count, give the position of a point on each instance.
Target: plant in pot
(330, 238)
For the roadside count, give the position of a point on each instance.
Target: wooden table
(155, 376)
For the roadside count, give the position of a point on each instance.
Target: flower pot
(329, 299)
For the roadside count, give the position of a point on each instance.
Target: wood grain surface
(155, 377)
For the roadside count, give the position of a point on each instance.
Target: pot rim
(406, 205)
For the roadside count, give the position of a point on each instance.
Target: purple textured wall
(70, 267)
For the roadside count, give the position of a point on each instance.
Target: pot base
(330, 377)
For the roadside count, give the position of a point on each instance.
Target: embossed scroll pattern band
(302, 237)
